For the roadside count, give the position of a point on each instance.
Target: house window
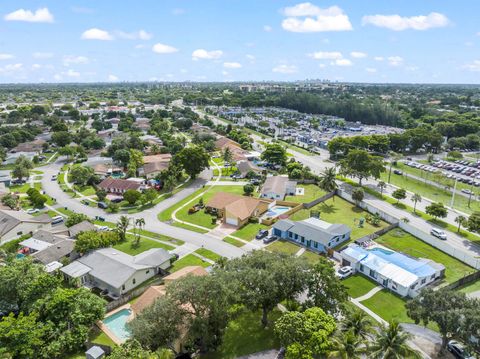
(133, 281)
(315, 244)
(123, 287)
(337, 239)
(394, 286)
(148, 271)
(413, 286)
(424, 280)
(343, 237)
(290, 234)
(361, 267)
(433, 276)
(373, 274)
(296, 236)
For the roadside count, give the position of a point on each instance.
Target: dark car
(86, 202)
(117, 200)
(255, 181)
(458, 350)
(102, 205)
(261, 234)
(270, 239)
(398, 172)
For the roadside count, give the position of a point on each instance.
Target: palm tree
(327, 180)
(391, 343)
(461, 220)
(416, 198)
(382, 185)
(347, 346)
(359, 323)
(122, 227)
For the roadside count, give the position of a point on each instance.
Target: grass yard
(188, 260)
(146, 233)
(249, 231)
(208, 254)
(388, 306)
(311, 192)
(311, 257)
(401, 241)
(283, 247)
(244, 335)
(233, 241)
(85, 190)
(337, 210)
(358, 285)
(145, 244)
(470, 288)
(20, 188)
(190, 228)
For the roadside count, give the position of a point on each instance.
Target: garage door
(232, 221)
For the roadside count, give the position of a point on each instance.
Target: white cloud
(371, 70)
(6, 56)
(40, 15)
(250, 57)
(42, 55)
(378, 58)
(342, 62)
(395, 60)
(326, 55)
(163, 49)
(322, 66)
(11, 69)
(36, 66)
(57, 77)
(72, 73)
(206, 55)
(112, 78)
(225, 73)
(306, 17)
(267, 28)
(232, 65)
(285, 69)
(76, 60)
(473, 66)
(136, 35)
(358, 55)
(399, 23)
(183, 71)
(96, 34)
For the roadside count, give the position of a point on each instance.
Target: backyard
(401, 241)
(188, 260)
(311, 192)
(337, 210)
(144, 245)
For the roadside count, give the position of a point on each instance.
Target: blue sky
(433, 41)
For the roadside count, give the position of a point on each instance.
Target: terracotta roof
(237, 151)
(119, 184)
(155, 167)
(163, 157)
(189, 270)
(246, 166)
(240, 206)
(148, 298)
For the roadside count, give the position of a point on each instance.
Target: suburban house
(154, 164)
(312, 233)
(118, 185)
(244, 167)
(156, 291)
(238, 153)
(105, 170)
(402, 274)
(32, 146)
(116, 272)
(235, 209)
(277, 187)
(17, 223)
(83, 226)
(47, 247)
(142, 124)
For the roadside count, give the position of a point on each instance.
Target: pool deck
(107, 331)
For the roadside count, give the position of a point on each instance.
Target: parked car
(103, 228)
(438, 233)
(102, 205)
(255, 181)
(261, 234)
(344, 272)
(18, 181)
(270, 239)
(101, 219)
(398, 172)
(57, 219)
(458, 350)
(54, 177)
(86, 202)
(33, 210)
(116, 200)
(467, 191)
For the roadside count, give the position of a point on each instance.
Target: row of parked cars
(264, 234)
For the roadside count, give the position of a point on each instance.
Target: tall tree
(436, 210)
(399, 194)
(193, 160)
(416, 198)
(22, 167)
(362, 165)
(122, 226)
(359, 323)
(382, 185)
(461, 221)
(391, 343)
(275, 154)
(358, 195)
(346, 345)
(328, 180)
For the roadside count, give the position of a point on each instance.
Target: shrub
(253, 220)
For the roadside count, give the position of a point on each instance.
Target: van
(438, 233)
(57, 219)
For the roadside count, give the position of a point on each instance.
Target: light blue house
(312, 233)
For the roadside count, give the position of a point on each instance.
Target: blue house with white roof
(312, 233)
(401, 274)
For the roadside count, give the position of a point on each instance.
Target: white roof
(50, 267)
(35, 244)
(76, 269)
(317, 222)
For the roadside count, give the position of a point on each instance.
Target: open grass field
(188, 260)
(337, 210)
(401, 241)
(145, 244)
(311, 192)
(283, 247)
(358, 285)
(249, 231)
(244, 335)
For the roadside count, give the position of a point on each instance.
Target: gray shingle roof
(81, 227)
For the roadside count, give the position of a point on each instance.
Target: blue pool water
(116, 323)
(276, 211)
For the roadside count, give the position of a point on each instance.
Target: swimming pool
(116, 323)
(276, 211)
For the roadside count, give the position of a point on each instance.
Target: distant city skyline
(240, 40)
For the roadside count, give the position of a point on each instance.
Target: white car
(344, 272)
(103, 228)
(33, 210)
(438, 233)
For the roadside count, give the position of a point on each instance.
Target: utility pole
(453, 193)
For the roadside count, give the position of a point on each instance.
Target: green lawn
(208, 254)
(190, 228)
(233, 241)
(337, 210)
(85, 190)
(145, 244)
(175, 241)
(249, 231)
(358, 285)
(226, 172)
(401, 241)
(388, 306)
(470, 288)
(311, 257)
(280, 246)
(188, 260)
(311, 192)
(20, 188)
(244, 335)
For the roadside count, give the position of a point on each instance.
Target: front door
(309, 243)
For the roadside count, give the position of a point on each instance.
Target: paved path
(370, 294)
